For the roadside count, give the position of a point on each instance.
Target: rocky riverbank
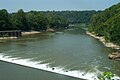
(113, 55)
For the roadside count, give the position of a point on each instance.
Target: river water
(71, 52)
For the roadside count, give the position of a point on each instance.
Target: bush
(107, 76)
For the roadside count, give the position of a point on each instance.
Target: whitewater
(59, 70)
(45, 67)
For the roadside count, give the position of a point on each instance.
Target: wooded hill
(107, 24)
(74, 17)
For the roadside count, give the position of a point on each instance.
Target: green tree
(19, 21)
(4, 20)
(37, 21)
(113, 29)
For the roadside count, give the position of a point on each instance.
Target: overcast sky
(43, 5)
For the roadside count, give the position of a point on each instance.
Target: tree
(37, 21)
(113, 29)
(4, 20)
(19, 21)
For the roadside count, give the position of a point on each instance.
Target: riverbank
(23, 34)
(114, 55)
(102, 39)
(4, 38)
(36, 32)
(30, 32)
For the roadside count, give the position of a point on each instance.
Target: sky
(58, 5)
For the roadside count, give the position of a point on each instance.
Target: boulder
(50, 30)
(114, 55)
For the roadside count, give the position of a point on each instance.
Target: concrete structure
(13, 33)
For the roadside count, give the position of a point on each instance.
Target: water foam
(59, 70)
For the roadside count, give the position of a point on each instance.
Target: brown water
(70, 50)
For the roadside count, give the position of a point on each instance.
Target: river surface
(71, 52)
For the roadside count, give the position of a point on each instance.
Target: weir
(44, 67)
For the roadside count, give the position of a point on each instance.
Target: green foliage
(107, 76)
(37, 21)
(113, 29)
(58, 22)
(4, 20)
(107, 24)
(76, 16)
(41, 20)
(19, 21)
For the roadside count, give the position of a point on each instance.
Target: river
(71, 52)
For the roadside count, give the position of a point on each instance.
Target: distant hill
(76, 16)
(107, 24)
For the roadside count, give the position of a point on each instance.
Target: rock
(53, 68)
(115, 56)
(50, 30)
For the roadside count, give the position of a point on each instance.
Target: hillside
(107, 24)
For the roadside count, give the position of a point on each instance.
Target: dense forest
(107, 24)
(41, 20)
(74, 17)
(32, 20)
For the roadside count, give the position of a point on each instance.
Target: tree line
(41, 20)
(107, 24)
(76, 16)
(32, 20)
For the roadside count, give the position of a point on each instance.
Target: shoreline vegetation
(114, 55)
(107, 25)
